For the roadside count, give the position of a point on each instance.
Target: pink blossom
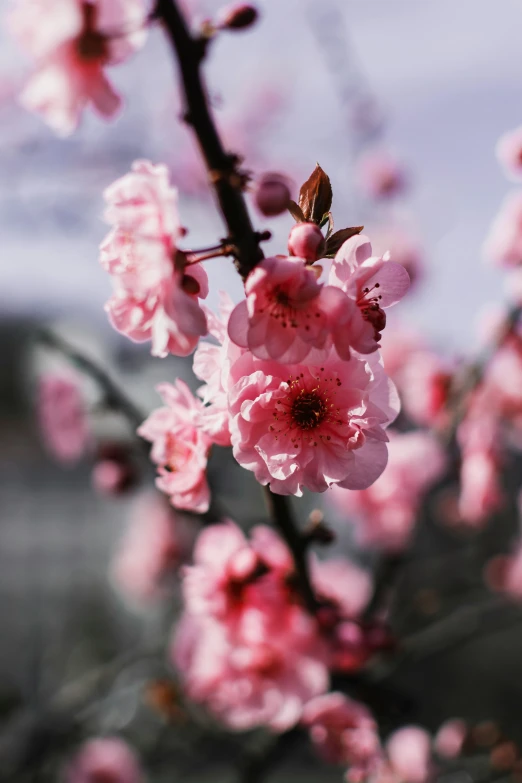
(311, 426)
(306, 241)
(224, 565)
(62, 417)
(424, 383)
(380, 175)
(503, 244)
(450, 737)
(409, 753)
(72, 42)
(212, 364)
(344, 590)
(478, 435)
(373, 283)
(343, 732)
(156, 542)
(156, 295)
(509, 153)
(179, 447)
(385, 513)
(504, 573)
(404, 248)
(105, 758)
(245, 647)
(398, 344)
(287, 313)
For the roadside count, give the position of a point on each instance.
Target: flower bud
(113, 472)
(272, 194)
(237, 17)
(306, 241)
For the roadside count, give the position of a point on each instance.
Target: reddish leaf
(334, 242)
(296, 212)
(315, 196)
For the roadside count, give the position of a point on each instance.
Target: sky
(447, 77)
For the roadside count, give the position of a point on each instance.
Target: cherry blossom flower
(409, 754)
(450, 738)
(105, 758)
(179, 447)
(343, 590)
(480, 489)
(373, 283)
(156, 295)
(311, 426)
(509, 153)
(343, 732)
(380, 175)
(72, 42)
(156, 542)
(287, 313)
(503, 244)
(245, 646)
(424, 383)
(503, 573)
(212, 364)
(62, 417)
(385, 513)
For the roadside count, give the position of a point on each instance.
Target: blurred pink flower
(344, 590)
(409, 754)
(478, 436)
(373, 283)
(245, 647)
(509, 153)
(156, 295)
(303, 426)
(179, 447)
(450, 737)
(62, 417)
(503, 244)
(344, 732)
(73, 41)
(156, 542)
(385, 513)
(424, 383)
(107, 759)
(380, 175)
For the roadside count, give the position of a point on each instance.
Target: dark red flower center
(308, 410)
(91, 45)
(371, 310)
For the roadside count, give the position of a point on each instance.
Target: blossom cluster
(295, 383)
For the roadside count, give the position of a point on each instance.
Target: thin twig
(282, 517)
(114, 398)
(223, 167)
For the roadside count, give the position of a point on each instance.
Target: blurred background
(431, 85)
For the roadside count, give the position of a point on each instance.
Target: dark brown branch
(282, 518)
(224, 174)
(114, 398)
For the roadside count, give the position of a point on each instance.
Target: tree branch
(283, 520)
(224, 173)
(114, 398)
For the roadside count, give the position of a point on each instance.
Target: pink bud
(237, 17)
(306, 240)
(272, 194)
(111, 478)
